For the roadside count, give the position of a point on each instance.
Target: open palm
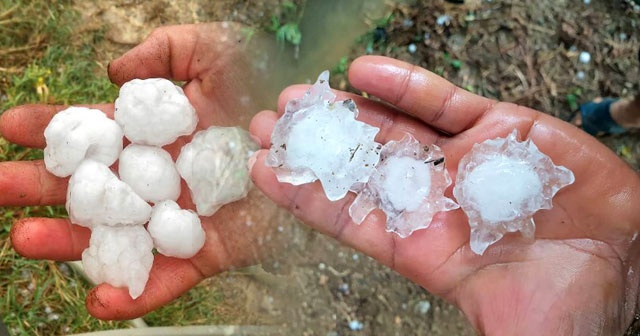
(579, 276)
(209, 58)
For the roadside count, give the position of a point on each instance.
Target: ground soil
(520, 51)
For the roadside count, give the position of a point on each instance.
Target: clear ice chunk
(175, 232)
(501, 184)
(154, 112)
(319, 138)
(408, 185)
(120, 256)
(79, 133)
(96, 196)
(150, 172)
(214, 165)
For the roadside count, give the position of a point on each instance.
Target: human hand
(210, 59)
(579, 276)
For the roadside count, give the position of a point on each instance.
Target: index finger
(419, 93)
(24, 125)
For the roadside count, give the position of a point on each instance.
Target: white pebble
(150, 172)
(154, 112)
(175, 232)
(79, 133)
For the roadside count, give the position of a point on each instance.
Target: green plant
(285, 26)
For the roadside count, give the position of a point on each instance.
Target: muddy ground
(520, 51)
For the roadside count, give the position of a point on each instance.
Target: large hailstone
(501, 184)
(97, 197)
(150, 172)
(408, 185)
(154, 112)
(214, 165)
(120, 256)
(318, 138)
(79, 133)
(175, 232)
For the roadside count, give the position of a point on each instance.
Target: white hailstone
(97, 197)
(320, 139)
(79, 133)
(154, 112)
(214, 165)
(120, 256)
(585, 57)
(150, 172)
(501, 184)
(175, 232)
(408, 185)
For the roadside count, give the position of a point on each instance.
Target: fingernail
(252, 160)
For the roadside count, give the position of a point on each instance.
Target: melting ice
(408, 185)
(501, 184)
(214, 164)
(319, 138)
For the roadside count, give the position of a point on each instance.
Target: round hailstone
(319, 139)
(175, 232)
(97, 197)
(408, 185)
(150, 172)
(79, 133)
(214, 164)
(154, 112)
(501, 184)
(120, 256)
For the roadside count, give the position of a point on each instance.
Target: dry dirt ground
(519, 51)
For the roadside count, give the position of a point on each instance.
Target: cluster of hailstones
(501, 183)
(150, 113)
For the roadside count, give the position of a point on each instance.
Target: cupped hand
(209, 58)
(579, 276)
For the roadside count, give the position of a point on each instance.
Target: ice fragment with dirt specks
(319, 138)
(408, 185)
(502, 183)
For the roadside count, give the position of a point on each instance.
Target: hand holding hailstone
(501, 183)
(151, 113)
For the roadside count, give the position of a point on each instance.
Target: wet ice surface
(79, 133)
(150, 171)
(97, 197)
(120, 256)
(501, 184)
(319, 138)
(408, 185)
(175, 232)
(154, 112)
(214, 165)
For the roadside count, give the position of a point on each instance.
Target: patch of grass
(286, 24)
(44, 59)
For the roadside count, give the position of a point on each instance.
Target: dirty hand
(579, 277)
(208, 58)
